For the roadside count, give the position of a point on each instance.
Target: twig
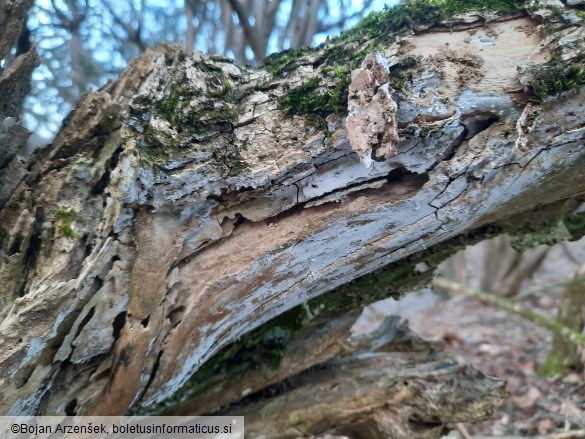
(513, 308)
(569, 254)
(249, 31)
(575, 390)
(462, 431)
(538, 291)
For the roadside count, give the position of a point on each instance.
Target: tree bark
(193, 203)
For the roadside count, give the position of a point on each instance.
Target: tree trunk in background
(199, 222)
(571, 313)
(496, 265)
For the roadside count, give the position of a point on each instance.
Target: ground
(513, 349)
(503, 345)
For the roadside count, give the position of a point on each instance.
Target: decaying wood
(403, 388)
(319, 341)
(191, 201)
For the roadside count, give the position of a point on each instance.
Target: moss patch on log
(383, 26)
(265, 346)
(195, 119)
(398, 278)
(307, 100)
(570, 228)
(555, 77)
(261, 349)
(401, 73)
(65, 218)
(422, 13)
(279, 64)
(327, 93)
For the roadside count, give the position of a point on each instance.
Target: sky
(47, 106)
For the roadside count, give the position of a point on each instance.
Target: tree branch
(249, 30)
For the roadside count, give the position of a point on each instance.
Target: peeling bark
(192, 201)
(371, 119)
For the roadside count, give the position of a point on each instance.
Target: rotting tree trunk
(193, 203)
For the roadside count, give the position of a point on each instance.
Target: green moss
(307, 99)
(281, 63)
(383, 25)
(225, 91)
(65, 218)
(415, 13)
(210, 117)
(555, 77)
(550, 232)
(154, 147)
(451, 7)
(339, 55)
(261, 349)
(391, 20)
(400, 277)
(65, 215)
(401, 73)
(67, 231)
(316, 98)
(170, 109)
(391, 281)
(545, 236)
(265, 347)
(221, 58)
(207, 67)
(327, 93)
(167, 108)
(552, 366)
(575, 224)
(274, 346)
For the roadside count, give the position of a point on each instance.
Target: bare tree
(495, 266)
(565, 353)
(83, 44)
